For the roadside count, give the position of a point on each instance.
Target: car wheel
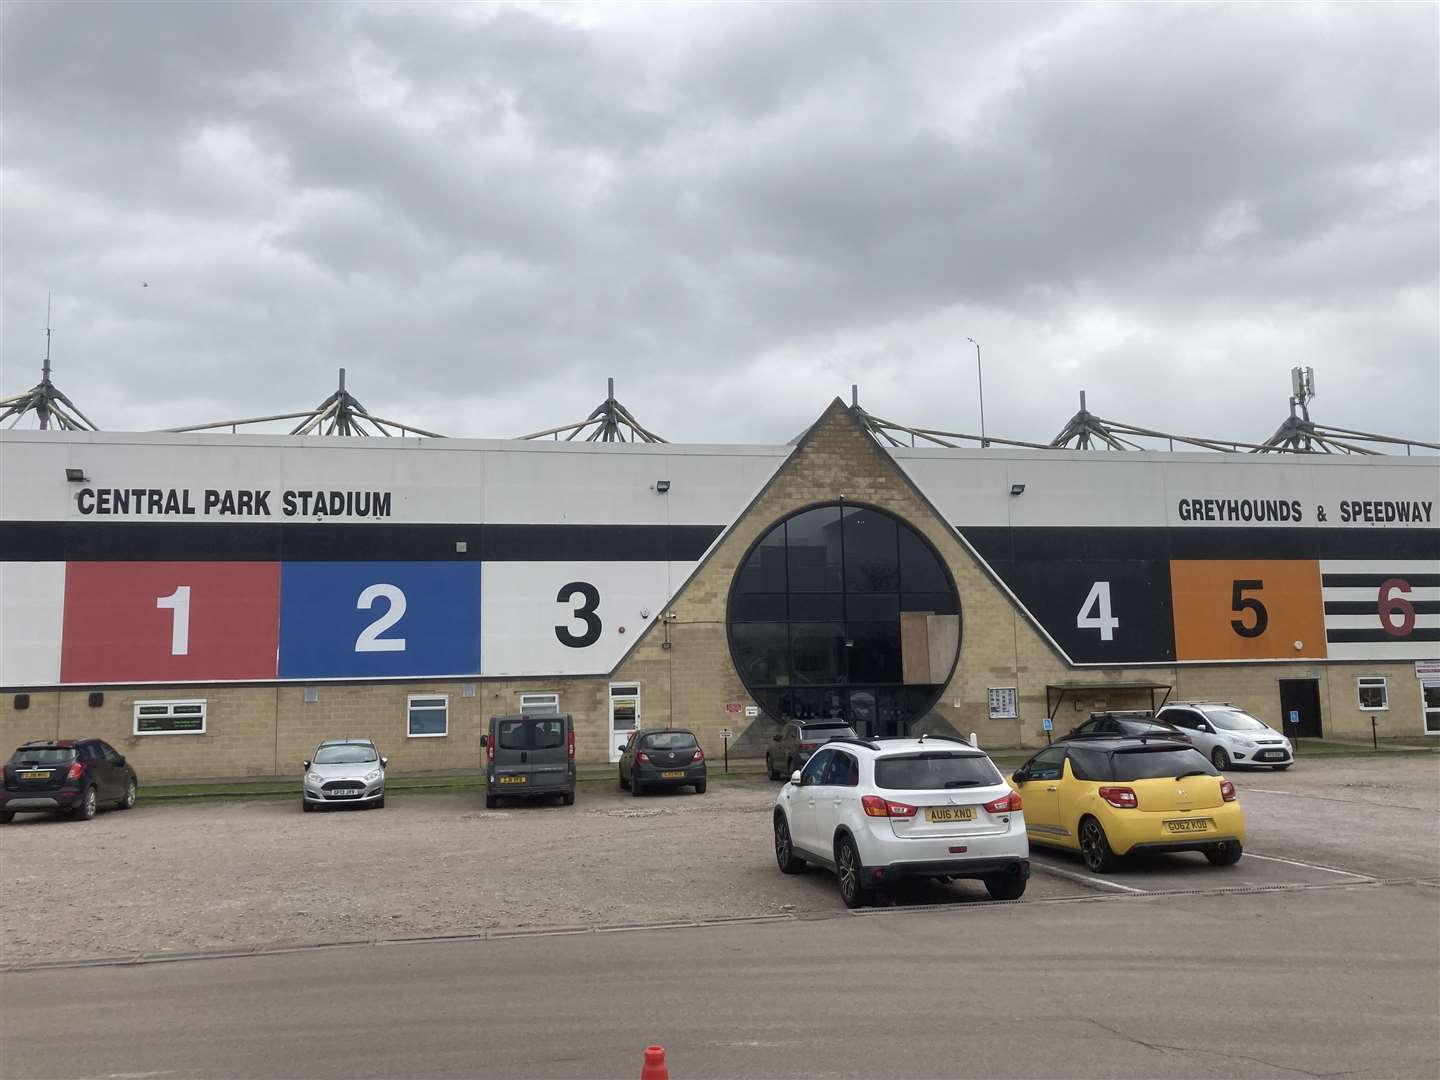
(7, 816)
(1006, 886)
(700, 787)
(1282, 768)
(86, 809)
(851, 873)
(567, 799)
(380, 802)
(492, 801)
(1225, 853)
(784, 849)
(306, 805)
(127, 801)
(624, 785)
(634, 785)
(1095, 847)
(1220, 758)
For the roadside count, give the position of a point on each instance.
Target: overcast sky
(482, 212)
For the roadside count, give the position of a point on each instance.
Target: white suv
(1229, 736)
(876, 811)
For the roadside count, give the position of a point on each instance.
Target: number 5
(1240, 602)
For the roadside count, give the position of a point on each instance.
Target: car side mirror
(795, 778)
(120, 759)
(777, 736)
(1018, 776)
(384, 761)
(307, 766)
(484, 741)
(621, 748)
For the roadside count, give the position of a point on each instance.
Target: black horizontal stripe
(174, 541)
(1374, 581)
(1098, 543)
(1421, 633)
(1371, 607)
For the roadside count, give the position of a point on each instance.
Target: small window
(844, 771)
(1003, 703)
(1373, 694)
(540, 704)
(668, 740)
(815, 767)
(169, 718)
(1046, 765)
(1089, 765)
(429, 715)
(1430, 705)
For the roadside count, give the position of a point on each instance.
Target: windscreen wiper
(962, 783)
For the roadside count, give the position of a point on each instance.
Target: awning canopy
(1055, 693)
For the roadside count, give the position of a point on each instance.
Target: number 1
(179, 604)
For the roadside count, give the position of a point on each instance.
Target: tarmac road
(1309, 982)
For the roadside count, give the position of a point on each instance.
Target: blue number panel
(379, 619)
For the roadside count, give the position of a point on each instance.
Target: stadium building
(213, 604)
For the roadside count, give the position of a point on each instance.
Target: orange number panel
(1247, 609)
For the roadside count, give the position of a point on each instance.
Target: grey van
(529, 755)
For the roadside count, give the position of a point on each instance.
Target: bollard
(654, 1067)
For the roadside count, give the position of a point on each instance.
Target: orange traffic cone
(654, 1067)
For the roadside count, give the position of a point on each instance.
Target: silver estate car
(344, 771)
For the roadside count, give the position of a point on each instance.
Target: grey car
(798, 740)
(529, 755)
(344, 771)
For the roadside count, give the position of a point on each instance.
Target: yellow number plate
(676, 774)
(949, 813)
(1189, 825)
(34, 776)
(513, 779)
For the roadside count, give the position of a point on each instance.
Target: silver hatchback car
(344, 771)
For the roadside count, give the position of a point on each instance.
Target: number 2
(1102, 619)
(370, 639)
(179, 604)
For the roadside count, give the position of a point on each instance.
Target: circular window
(844, 613)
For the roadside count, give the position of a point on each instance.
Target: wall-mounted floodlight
(1017, 489)
(76, 476)
(662, 486)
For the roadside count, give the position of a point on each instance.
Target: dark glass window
(1152, 764)
(934, 771)
(871, 557)
(668, 740)
(1089, 765)
(815, 557)
(815, 614)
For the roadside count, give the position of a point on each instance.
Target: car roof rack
(946, 738)
(869, 744)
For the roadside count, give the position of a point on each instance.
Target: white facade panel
(32, 604)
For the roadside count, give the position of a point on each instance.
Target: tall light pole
(980, 378)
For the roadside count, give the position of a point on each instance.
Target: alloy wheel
(849, 871)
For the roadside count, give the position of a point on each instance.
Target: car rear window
(668, 740)
(43, 755)
(1151, 762)
(933, 770)
(827, 731)
(531, 733)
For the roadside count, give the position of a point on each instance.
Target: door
(838, 781)
(1300, 699)
(1430, 705)
(1194, 725)
(624, 715)
(803, 801)
(1040, 793)
(102, 771)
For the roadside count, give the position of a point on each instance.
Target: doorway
(1300, 699)
(624, 716)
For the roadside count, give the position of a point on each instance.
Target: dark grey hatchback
(70, 776)
(662, 757)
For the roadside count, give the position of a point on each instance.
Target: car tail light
(77, 770)
(643, 758)
(1006, 804)
(875, 806)
(810, 746)
(699, 755)
(490, 750)
(570, 743)
(1123, 797)
(1227, 791)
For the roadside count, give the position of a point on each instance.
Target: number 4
(1098, 602)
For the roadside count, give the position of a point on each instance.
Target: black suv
(1116, 724)
(798, 740)
(66, 776)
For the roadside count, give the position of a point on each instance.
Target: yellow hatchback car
(1111, 797)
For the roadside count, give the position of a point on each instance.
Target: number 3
(585, 613)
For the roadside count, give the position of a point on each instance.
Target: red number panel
(158, 622)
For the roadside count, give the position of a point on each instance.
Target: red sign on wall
(156, 622)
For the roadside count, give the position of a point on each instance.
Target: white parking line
(1308, 865)
(1086, 878)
